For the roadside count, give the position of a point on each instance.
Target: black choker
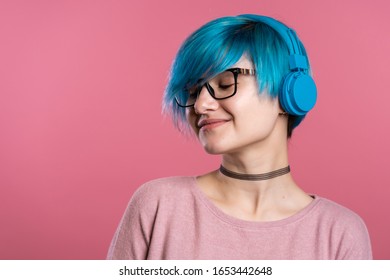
(255, 177)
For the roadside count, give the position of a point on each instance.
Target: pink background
(80, 119)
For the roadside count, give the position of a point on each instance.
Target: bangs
(208, 53)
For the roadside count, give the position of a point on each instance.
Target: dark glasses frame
(235, 72)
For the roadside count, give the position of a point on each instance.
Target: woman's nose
(205, 101)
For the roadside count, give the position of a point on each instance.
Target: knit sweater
(171, 218)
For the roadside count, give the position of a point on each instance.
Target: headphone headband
(299, 93)
(297, 59)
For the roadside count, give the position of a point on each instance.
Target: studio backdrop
(81, 129)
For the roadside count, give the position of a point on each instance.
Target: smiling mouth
(211, 124)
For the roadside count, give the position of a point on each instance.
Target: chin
(213, 150)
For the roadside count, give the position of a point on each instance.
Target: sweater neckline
(226, 218)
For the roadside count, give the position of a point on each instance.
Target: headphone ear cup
(299, 94)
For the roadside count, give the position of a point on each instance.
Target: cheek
(260, 117)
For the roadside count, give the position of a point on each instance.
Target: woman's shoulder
(346, 227)
(163, 189)
(167, 184)
(337, 215)
(332, 208)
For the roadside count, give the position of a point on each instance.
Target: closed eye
(225, 86)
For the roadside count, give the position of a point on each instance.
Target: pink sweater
(171, 218)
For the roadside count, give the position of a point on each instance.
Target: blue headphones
(299, 93)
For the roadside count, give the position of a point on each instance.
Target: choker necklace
(255, 177)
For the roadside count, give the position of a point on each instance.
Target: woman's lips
(210, 124)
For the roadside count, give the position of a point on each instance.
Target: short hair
(218, 45)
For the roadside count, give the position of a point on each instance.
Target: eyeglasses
(222, 86)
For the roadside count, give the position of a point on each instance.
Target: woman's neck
(257, 200)
(268, 200)
(256, 160)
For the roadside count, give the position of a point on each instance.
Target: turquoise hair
(218, 45)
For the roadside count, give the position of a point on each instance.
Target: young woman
(242, 84)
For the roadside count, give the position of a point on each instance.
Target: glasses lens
(221, 86)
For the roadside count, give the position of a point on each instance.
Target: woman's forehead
(243, 62)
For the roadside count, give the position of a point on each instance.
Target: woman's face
(242, 121)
